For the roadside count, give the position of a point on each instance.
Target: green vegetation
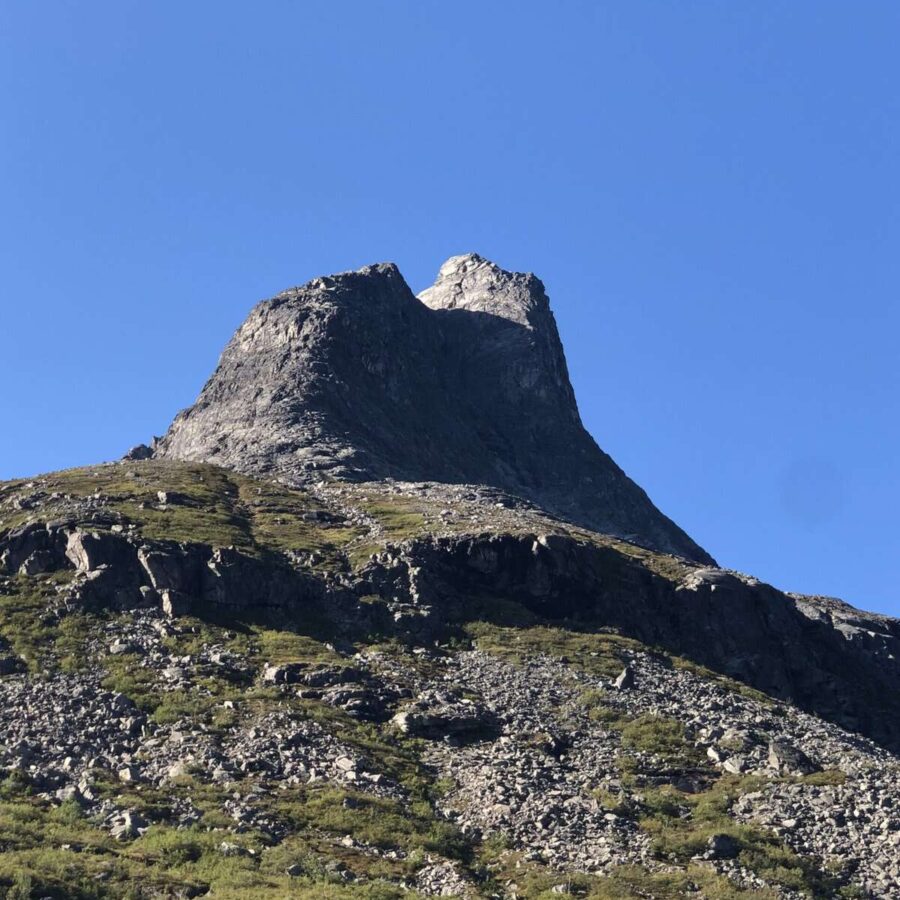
(614, 802)
(60, 854)
(681, 825)
(663, 737)
(282, 646)
(536, 882)
(399, 518)
(627, 882)
(205, 504)
(826, 778)
(39, 637)
(372, 820)
(671, 568)
(601, 654)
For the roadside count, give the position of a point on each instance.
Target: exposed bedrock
(353, 377)
(825, 657)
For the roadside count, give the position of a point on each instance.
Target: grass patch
(665, 738)
(633, 882)
(31, 628)
(681, 825)
(398, 517)
(600, 654)
(282, 646)
(373, 820)
(58, 853)
(825, 778)
(205, 504)
(613, 802)
(626, 882)
(594, 700)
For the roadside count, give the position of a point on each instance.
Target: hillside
(360, 691)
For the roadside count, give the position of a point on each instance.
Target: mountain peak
(474, 283)
(351, 377)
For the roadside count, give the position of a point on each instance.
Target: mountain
(352, 377)
(376, 619)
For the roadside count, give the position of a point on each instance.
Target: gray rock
(721, 846)
(285, 673)
(787, 759)
(70, 794)
(347, 374)
(438, 714)
(139, 452)
(129, 774)
(127, 825)
(36, 546)
(38, 562)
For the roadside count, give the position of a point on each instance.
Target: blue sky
(708, 190)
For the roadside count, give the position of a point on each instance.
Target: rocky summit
(377, 619)
(352, 377)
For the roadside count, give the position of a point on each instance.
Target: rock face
(797, 649)
(351, 377)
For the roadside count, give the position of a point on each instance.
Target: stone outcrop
(443, 714)
(822, 655)
(353, 377)
(115, 571)
(799, 649)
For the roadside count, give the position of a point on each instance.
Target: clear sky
(709, 191)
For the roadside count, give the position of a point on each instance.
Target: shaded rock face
(802, 650)
(352, 377)
(114, 571)
(734, 624)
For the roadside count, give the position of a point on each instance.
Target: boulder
(127, 825)
(786, 759)
(438, 714)
(284, 673)
(138, 452)
(721, 846)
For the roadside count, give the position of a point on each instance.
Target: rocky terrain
(283, 653)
